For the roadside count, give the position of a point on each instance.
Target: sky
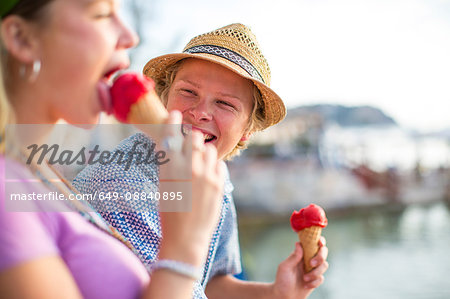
(391, 54)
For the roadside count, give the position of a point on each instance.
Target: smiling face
(215, 100)
(80, 43)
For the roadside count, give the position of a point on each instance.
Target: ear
(19, 39)
(246, 136)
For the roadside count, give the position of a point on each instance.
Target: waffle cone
(147, 110)
(309, 239)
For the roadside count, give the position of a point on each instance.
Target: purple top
(102, 266)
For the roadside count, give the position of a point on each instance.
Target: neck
(29, 99)
(32, 123)
(30, 108)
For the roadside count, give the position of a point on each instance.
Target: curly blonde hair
(256, 119)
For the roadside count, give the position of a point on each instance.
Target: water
(377, 254)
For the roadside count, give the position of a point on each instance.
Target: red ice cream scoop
(313, 215)
(135, 101)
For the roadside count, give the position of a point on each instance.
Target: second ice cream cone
(308, 223)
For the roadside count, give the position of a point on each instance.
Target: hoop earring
(35, 70)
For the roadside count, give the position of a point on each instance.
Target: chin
(85, 122)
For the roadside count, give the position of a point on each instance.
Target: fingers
(175, 117)
(314, 283)
(194, 140)
(198, 143)
(315, 277)
(204, 155)
(197, 153)
(210, 157)
(298, 250)
(322, 241)
(206, 165)
(296, 255)
(169, 136)
(293, 260)
(321, 255)
(316, 272)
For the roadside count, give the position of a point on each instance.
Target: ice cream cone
(135, 101)
(308, 223)
(309, 240)
(147, 110)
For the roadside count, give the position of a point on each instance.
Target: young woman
(57, 56)
(220, 84)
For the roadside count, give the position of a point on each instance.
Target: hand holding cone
(308, 223)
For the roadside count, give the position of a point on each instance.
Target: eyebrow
(190, 82)
(227, 95)
(222, 94)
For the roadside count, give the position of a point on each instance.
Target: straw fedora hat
(236, 48)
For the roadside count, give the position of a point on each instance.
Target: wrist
(276, 292)
(191, 253)
(177, 267)
(272, 290)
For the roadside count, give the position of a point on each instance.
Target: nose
(201, 111)
(128, 37)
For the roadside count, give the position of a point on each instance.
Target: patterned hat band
(229, 55)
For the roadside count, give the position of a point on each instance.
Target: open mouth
(207, 137)
(107, 76)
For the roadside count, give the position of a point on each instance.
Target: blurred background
(367, 135)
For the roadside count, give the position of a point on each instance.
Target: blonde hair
(6, 112)
(256, 119)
